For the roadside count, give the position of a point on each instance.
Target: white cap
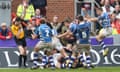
(3, 24)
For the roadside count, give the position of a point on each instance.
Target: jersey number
(47, 33)
(84, 35)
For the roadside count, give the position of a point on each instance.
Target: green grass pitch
(97, 69)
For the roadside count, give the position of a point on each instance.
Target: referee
(19, 37)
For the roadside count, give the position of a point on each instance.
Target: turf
(98, 69)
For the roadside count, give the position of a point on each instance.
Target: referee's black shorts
(21, 42)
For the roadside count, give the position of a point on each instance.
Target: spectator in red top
(13, 16)
(36, 19)
(5, 33)
(116, 24)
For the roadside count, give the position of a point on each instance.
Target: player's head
(80, 18)
(99, 11)
(42, 21)
(55, 19)
(17, 21)
(67, 21)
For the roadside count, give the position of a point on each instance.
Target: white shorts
(57, 44)
(43, 45)
(106, 31)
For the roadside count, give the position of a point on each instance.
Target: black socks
(22, 60)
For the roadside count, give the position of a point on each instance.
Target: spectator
(40, 4)
(116, 2)
(55, 24)
(13, 16)
(86, 9)
(107, 7)
(116, 25)
(117, 9)
(5, 33)
(37, 17)
(25, 11)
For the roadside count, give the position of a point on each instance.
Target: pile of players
(71, 47)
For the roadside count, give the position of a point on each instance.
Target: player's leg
(57, 45)
(100, 38)
(80, 55)
(72, 56)
(88, 57)
(38, 46)
(50, 55)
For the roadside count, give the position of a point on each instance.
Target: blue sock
(72, 59)
(51, 61)
(63, 65)
(44, 60)
(36, 57)
(67, 58)
(88, 60)
(102, 44)
(81, 58)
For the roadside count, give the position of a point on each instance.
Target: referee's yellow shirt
(15, 30)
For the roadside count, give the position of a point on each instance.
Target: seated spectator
(5, 33)
(107, 7)
(25, 11)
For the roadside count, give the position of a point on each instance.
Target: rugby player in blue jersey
(47, 41)
(83, 44)
(106, 30)
(70, 37)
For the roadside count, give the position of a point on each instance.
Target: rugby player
(83, 44)
(48, 41)
(106, 30)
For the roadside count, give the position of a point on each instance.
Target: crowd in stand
(30, 15)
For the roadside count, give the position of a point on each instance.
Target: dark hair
(42, 21)
(18, 19)
(80, 18)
